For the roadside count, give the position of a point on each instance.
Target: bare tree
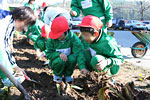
(120, 7)
(16, 1)
(64, 3)
(144, 6)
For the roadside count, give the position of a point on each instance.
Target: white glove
(102, 63)
(38, 53)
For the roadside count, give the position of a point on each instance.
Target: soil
(25, 55)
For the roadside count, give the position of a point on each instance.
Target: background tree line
(127, 9)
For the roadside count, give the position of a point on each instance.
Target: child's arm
(11, 43)
(81, 60)
(35, 43)
(76, 45)
(46, 18)
(37, 29)
(50, 51)
(117, 60)
(114, 54)
(28, 31)
(108, 13)
(75, 7)
(78, 50)
(113, 57)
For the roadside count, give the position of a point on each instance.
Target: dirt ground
(26, 59)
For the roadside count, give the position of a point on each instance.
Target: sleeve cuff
(110, 20)
(109, 62)
(15, 65)
(81, 67)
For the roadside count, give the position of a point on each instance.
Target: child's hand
(11, 48)
(38, 53)
(84, 71)
(109, 24)
(101, 64)
(63, 57)
(73, 13)
(18, 70)
(30, 34)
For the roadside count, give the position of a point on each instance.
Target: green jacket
(40, 43)
(31, 6)
(70, 46)
(105, 46)
(35, 29)
(97, 8)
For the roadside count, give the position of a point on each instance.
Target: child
(35, 30)
(50, 13)
(41, 13)
(103, 54)
(63, 48)
(17, 20)
(100, 8)
(31, 4)
(40, 43)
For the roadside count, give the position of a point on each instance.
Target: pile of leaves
(96, 86)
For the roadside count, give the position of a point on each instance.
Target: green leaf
(76, 87)
(101, 94)
(58, 88)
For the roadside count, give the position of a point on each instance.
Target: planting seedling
(84, 87)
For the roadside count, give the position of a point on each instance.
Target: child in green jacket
(35, 30)
(31, 4)
(102, 53)
(100, 8)
(40, 43)
(62, 50)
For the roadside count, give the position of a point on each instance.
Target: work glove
(38, 53)
(102, 63)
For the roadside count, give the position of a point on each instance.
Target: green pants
(61, 68)
(92, 61)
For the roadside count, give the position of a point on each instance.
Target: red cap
(91, 21)
(43, 4)
(58, 27)
(43, 34)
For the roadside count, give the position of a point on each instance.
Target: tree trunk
(64, 3)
